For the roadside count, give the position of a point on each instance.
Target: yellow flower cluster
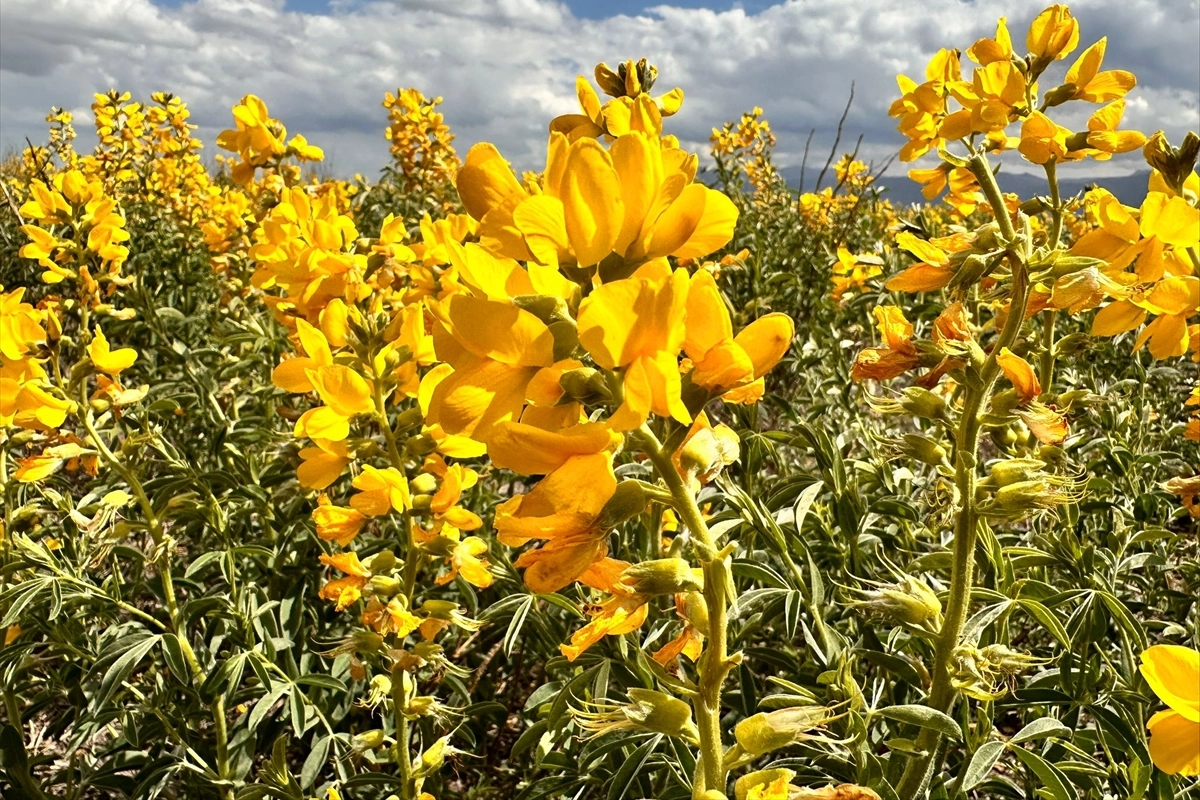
(420, 141)
(75, 234)
(748, 143)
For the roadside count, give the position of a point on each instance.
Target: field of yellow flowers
(644, 476)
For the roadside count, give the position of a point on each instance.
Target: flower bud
(1022, 497)
(627, 501)
(1175, 164)
(923, 449)
(547, 308)
(409, 418)
(586, 385)
(566, 338)
(1004, 473)
(694, 609)
(383, 586)
(369, 740)
(383, 561)
(663, 576)
(772, 730)
(421, 445)
(707, 452)
(424, 483)
(923, 403)
(910, 601)
(647, 710)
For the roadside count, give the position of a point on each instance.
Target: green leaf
(1051, 777)
(629, 771)
(1043, 728)
(121, 669)
(1048, 620)
(923, 717)
(981, 765)
(315, 761)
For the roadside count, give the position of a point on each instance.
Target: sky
(506, 67)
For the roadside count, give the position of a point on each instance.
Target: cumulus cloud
(506, 67)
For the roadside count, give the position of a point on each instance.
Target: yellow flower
(985, 51)
(935, 270)
(620, 614)
(345, 591)
(1103, 137)
(337, 523)
(292, 374)
(565, 510)
(495, 350)
(530, 450)
(322, 464)
(380, 491)
(1094, 86)
(1020, 374)
(346, 394)
(1042, 140)
(108, 360)
(465, 560)
(1173, 672)
(20, 326)
(1052, 35)
(897, 356)
(637, 325)
(721, 361)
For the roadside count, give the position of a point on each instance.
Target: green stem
(1046, 367)
(411, 567)
(162, 561)
(714, 664)
(942, 694)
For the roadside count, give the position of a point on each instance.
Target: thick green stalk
(942, 694)
(714, 665)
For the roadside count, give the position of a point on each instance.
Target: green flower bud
(627, 501)
(663, 576)
(923, 403)
(923, 449)
(566, 338)
(383, 586)
(383, 561)
(586, 385)
(695, 610)
(772, 730)
(647, 710)
(1004, 473)
(423, 484)
(370, 740)
(421, 445)
(548, 308)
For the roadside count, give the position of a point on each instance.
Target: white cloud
(506, 67)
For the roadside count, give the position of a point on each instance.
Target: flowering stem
(1046, 367)
(163, 563)
(942, 693)
(714, 664)
(399, 693)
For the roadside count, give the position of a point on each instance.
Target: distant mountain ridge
(1130, 189)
